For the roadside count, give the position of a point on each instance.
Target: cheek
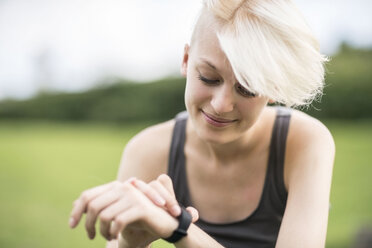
(196, 93)
(251, 110)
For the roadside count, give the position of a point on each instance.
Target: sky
(73, 45)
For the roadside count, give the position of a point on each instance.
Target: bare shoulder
(304, 128)
(146, 154)
(309, 144)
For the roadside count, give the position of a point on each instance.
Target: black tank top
(260, 229)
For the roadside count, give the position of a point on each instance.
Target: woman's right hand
(161, 193)
(102, 201)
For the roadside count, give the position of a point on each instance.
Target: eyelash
(208, 81)
(242, 91)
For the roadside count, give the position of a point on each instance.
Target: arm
(115, 243)
(146, 155)
(197, 238)
(307, 174)
(164, 187)
(136, 161)
(123, 208)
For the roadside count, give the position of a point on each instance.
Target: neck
(225, 154)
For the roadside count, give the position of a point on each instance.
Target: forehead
(205, 44)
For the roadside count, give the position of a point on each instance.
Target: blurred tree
(347, 95)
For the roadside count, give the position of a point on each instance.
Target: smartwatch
(181, 231)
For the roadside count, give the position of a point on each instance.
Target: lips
(216, 121)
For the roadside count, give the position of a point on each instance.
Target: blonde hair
(271, 48)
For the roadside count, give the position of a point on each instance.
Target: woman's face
(221, 110)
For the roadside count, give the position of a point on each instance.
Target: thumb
(194, 214)
(166, 181)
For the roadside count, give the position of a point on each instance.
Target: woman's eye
(207, 80)
(243, 91)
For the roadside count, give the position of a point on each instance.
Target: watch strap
(184, 222)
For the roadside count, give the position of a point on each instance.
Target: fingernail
(72, 222)
(132, 180)
(176, 210)
(91, 236)
(160, 201)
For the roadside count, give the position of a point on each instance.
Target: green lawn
(44, 166)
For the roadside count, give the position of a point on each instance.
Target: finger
(104, 228)
(95, 207)
(109, 214)
(150, 192)
(123, 220)
(166, 181)
(194, 214)
(80, 204)
(171, 204)
(131, 179)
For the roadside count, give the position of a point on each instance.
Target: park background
(77, 81)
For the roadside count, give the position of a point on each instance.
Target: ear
(185, 60)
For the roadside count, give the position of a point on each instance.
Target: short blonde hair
(271, 48)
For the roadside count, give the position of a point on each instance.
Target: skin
(227, 161)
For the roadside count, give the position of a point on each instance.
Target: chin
(213, 136)
(219, 140)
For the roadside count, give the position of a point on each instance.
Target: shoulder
(146, 155)
(304, 128)
(309, 145)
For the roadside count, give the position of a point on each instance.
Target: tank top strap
(275, 173)
(176, 162)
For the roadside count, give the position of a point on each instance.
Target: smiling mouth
(217, 122)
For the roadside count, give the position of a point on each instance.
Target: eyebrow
(210, 64)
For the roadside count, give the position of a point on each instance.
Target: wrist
(197, 238)
(124, 244)
(184, 221)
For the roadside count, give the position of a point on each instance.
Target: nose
(223, 100)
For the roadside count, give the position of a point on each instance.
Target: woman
(258, 176)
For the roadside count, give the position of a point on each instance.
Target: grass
(351, 195)
(44, 166)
